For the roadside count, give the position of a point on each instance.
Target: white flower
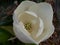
(33, 22)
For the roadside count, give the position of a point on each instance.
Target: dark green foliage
(6, 20)
(4, 35)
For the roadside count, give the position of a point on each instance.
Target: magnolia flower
(33, 22)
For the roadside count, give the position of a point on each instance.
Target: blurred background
(7, 8)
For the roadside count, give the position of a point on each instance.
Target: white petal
(41, 25)
(24, 6)
(23, 28)
(45, 11)
(31, 13)
(22, 35)
(41, 28)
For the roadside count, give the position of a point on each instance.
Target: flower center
(28, 26)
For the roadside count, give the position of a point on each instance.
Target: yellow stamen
(28, 26)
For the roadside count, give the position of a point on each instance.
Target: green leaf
(8, 28)
(6, 43)
(4, 35)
